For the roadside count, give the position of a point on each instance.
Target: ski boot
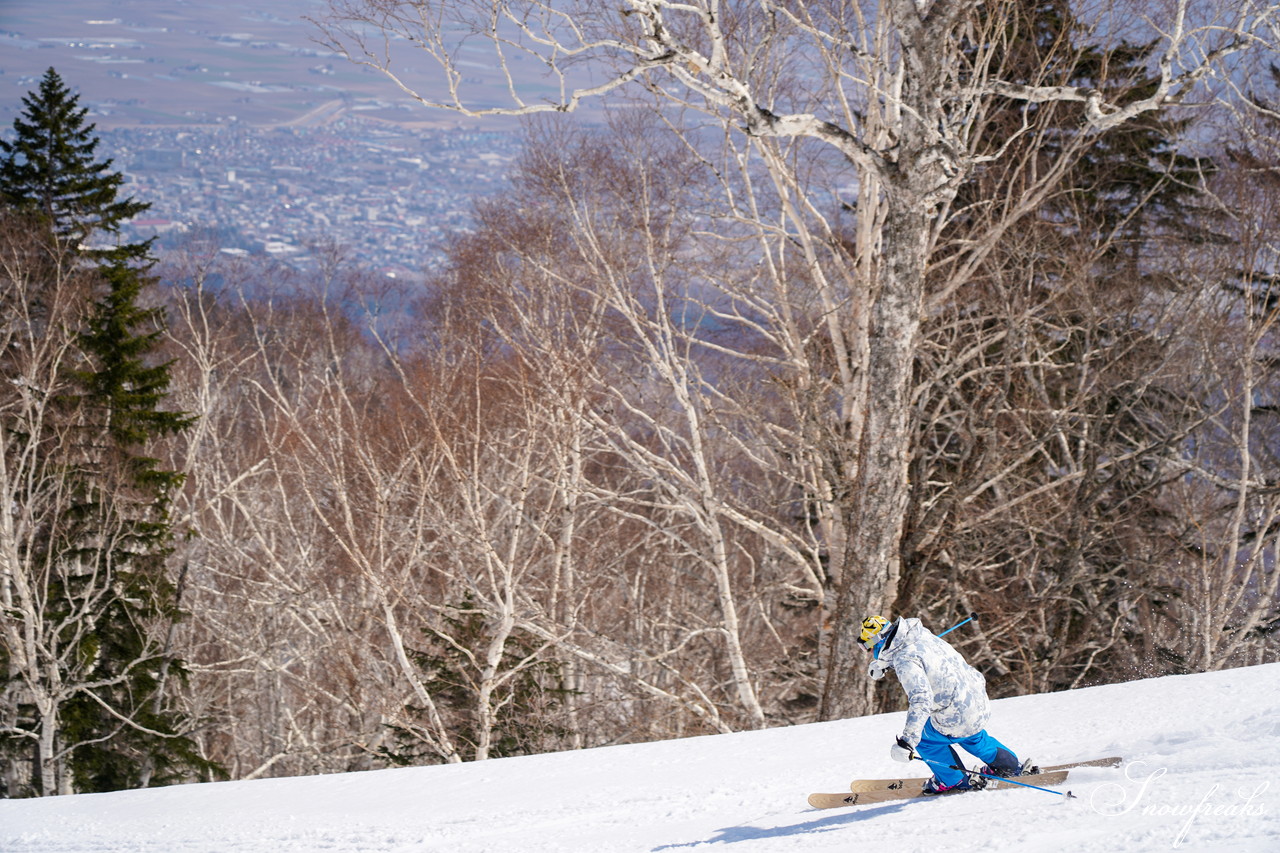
(1010, 772)
(933, 787)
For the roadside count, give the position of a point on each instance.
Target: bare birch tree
(1224, 602)
(63, 561)
(586, 274)
(897, 91)
(45, 301)
(278, 645)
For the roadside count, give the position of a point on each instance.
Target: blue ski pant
(939, 751)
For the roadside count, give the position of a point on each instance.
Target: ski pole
(1068, 794)
(972, 616)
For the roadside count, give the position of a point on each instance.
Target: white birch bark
(892, 93)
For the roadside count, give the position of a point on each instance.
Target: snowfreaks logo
(1113, 800)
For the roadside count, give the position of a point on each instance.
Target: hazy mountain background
(157, 62)
(230, 117)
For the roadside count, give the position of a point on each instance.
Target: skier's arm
(919, 695)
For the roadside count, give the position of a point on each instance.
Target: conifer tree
(1123, 187)
(1064, 294)
(124, 390)
(116, 729)
(50, 170)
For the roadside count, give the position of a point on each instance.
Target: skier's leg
(935, 748)
(992, 752)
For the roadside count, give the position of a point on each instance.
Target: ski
(862, 785)
(884, 795)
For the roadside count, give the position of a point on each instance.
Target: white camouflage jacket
(940, 684)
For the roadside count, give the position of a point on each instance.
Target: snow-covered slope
(1202, 755)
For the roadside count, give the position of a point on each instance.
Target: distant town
(229, 118)
(386, 195)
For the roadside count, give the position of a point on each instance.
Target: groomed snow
(1201, 755)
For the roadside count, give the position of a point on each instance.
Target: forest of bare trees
(922, 308)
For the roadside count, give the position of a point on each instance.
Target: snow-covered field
(1202, 753)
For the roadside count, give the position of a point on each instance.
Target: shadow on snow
(734, 834)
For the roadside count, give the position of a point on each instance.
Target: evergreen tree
(114, 537)
(1127, 186)
(129, 492)
(1055, 310)
(50, 169)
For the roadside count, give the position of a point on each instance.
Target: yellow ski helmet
(872, 627)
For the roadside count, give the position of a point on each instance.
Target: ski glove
(876, 669)
(901, 750)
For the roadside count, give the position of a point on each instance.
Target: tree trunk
(46, 748)
(880, 489)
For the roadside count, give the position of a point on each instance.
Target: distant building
(159, 159)
(158, 225)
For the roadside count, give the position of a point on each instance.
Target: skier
(948, 703)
